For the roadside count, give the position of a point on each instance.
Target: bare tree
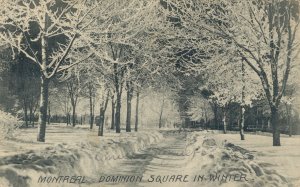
(74, 91)
(45, 32)
(89, 74)
(263, 33)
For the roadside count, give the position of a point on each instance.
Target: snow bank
(9, 125)
(217, 162)
(81, 159)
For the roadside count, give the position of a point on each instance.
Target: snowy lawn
(55, 134)
(284, 159)
(68, 151)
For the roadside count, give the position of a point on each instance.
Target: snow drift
(81, 159)
(218, 161)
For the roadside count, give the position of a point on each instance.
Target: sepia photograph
(149, 93)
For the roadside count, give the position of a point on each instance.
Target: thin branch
(74, 63)
(59, 59)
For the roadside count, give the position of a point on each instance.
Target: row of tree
(259, 34)
(129, 45)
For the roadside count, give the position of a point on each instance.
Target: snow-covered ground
(284, 159)
(149, 158)
(69, 152)
(216, 154)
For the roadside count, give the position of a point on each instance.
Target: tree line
(121, 47)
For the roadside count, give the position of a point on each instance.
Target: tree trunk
(31, 119)
(160, 120)
(128, 116)
(74, 115)
(43, 110)
(205, 116)
(137, 111)
(102, 115)
(112, 126)
(275, 126)
(67, 118)
(224, 121)
(25, 114)
(49, 114)
(101, 123)
(91, 112)
(257, 118)
(44, 94)
(161, 113)
(215, 109)
(242, 123)
(118, 114)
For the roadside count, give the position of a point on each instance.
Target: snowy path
(165, 158)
